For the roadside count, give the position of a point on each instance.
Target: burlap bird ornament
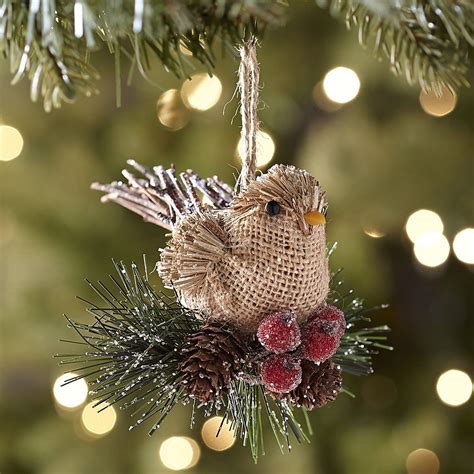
(236, 257)
(255, 330)
(249, 261)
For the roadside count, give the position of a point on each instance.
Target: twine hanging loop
(248, 87)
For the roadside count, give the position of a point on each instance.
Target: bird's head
(284, 196)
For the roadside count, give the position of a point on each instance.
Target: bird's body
(253, 254)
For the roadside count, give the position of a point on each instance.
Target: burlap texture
(240, 264)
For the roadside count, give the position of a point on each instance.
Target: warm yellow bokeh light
(171, 111)
(265, 148)
(71, 395)
(431, 249)
(11, 143)
(98, 423)
(179, 453)
(454, 387)
(224, 440)
(201, 92)
(341, 85)
(421, 222)
(438, 105)
(422, 461)
(463, 245)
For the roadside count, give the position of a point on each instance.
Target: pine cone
(319, 384)
(210, 360)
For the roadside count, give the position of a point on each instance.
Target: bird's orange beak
(314, 218)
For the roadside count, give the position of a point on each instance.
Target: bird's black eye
(272, 208)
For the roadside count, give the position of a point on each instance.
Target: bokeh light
(341, 85)
(438, 105)
(431, 249)
(463, 245)
(265, 148)
(454, 387)
(71, 395)
(422, 461)
(201, 92)
(11, 143)
(224, 440)
(421, 222)
(179, 453)
(171, 111)
(98, 423)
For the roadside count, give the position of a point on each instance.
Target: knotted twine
(248, 87)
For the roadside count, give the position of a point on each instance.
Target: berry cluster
(280, 334)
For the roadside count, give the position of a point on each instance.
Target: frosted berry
(332, 320)
(280, 373)
(317, 344)
(279, 332)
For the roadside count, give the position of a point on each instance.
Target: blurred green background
(380, 158)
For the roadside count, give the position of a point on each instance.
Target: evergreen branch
(358, 344)
(428, 41)
(131, 355)
(136, 340)
(41, 46)
(49, 41)
(244, 404)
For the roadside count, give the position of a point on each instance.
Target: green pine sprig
(130, 351)
(131, 348)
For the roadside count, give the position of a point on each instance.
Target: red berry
(280, 373)
(317, 345)
(279, 332)
(332, 320)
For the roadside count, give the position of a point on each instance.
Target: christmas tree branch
(42, 46)
(49, 41)
(428, 41)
